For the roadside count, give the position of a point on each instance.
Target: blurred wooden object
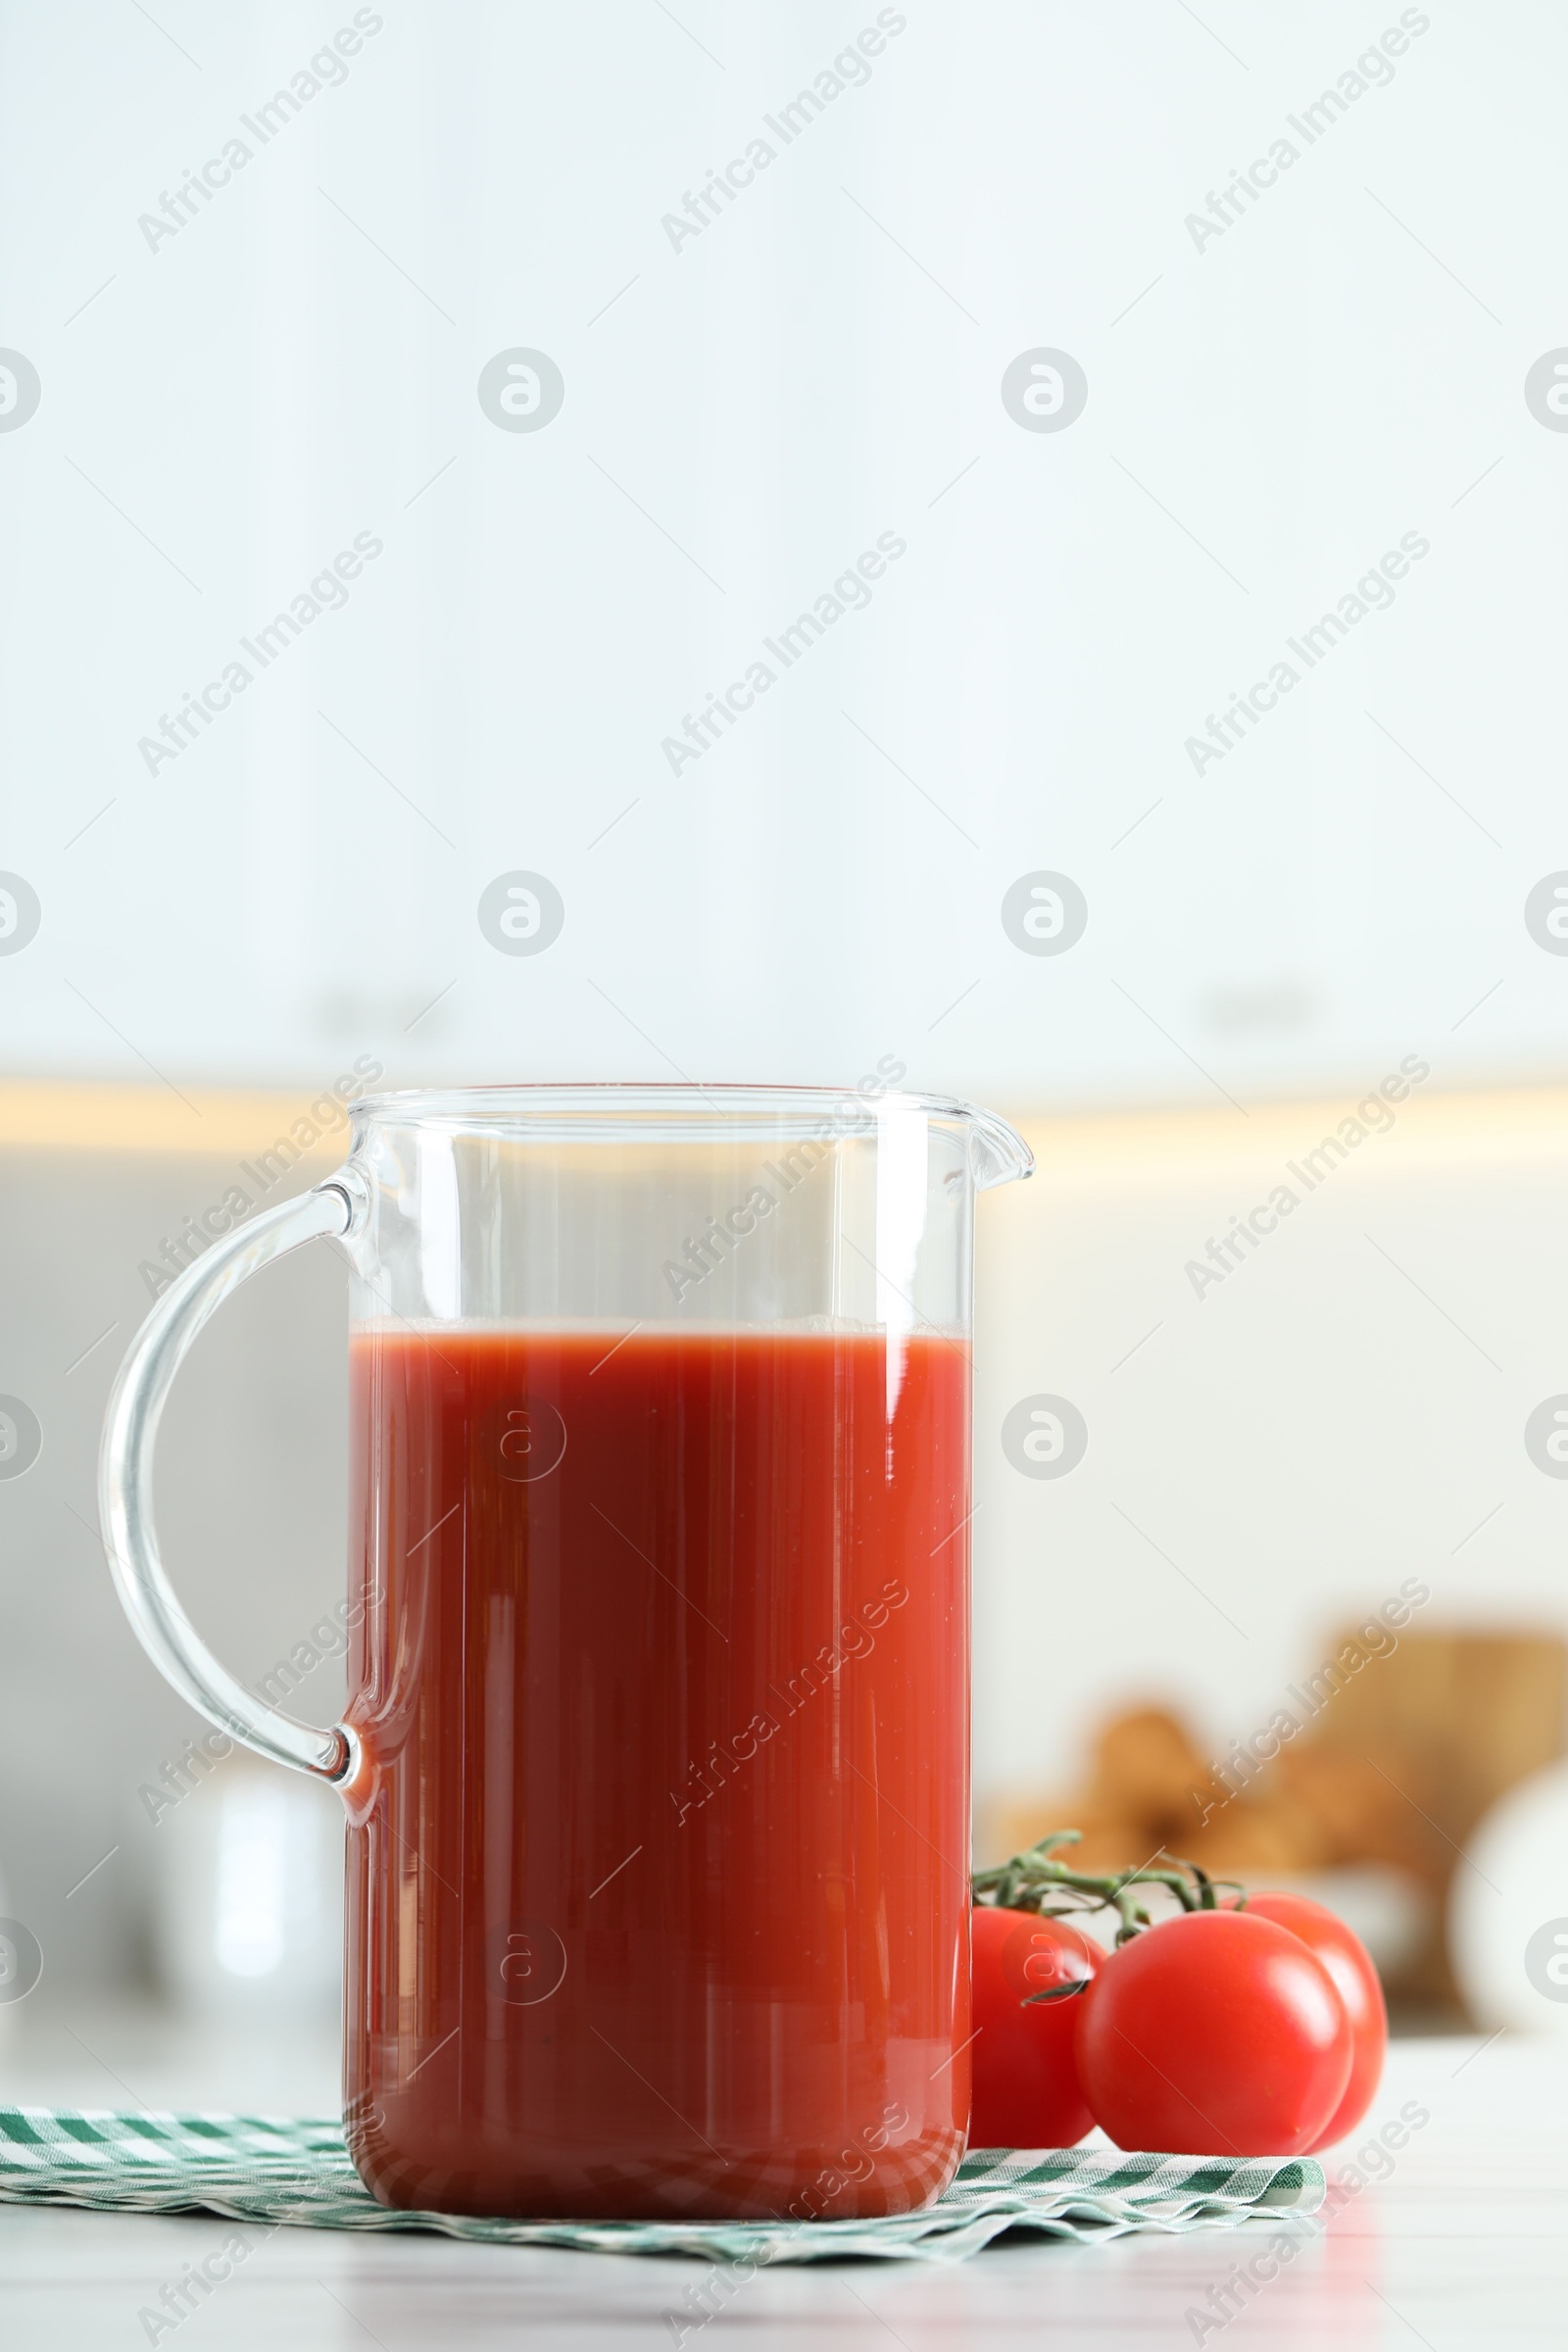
(1146, 1768)
(1447, 1724)
(1397, 1766)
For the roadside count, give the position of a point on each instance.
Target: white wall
(1266, 416)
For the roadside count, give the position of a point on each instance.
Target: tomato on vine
(1026, 2089)
(1235, 2029)
(1214, 2035)
(1355, 1979)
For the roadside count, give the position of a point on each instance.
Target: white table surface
(1465, 2245)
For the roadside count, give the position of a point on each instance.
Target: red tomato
(1355, 1980)
(1216, 2034)
(1026, 2090)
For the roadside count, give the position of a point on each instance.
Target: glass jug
(656, 1758)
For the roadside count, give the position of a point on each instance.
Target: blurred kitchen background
(1212, 1441)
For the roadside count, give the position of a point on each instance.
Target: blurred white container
(249, 1915)
(1509, 1910)
(21, 1964)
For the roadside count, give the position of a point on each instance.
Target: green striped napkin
(259, 2168)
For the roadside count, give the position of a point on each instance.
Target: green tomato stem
(1035, 1881)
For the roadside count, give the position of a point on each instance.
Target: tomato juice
(658, 1884)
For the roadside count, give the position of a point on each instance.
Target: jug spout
(998, 1152)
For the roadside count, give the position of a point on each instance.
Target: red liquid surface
(658, 1894)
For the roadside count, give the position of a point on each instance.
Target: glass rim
(680, 1110)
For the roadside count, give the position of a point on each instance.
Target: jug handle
(126, 1478)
